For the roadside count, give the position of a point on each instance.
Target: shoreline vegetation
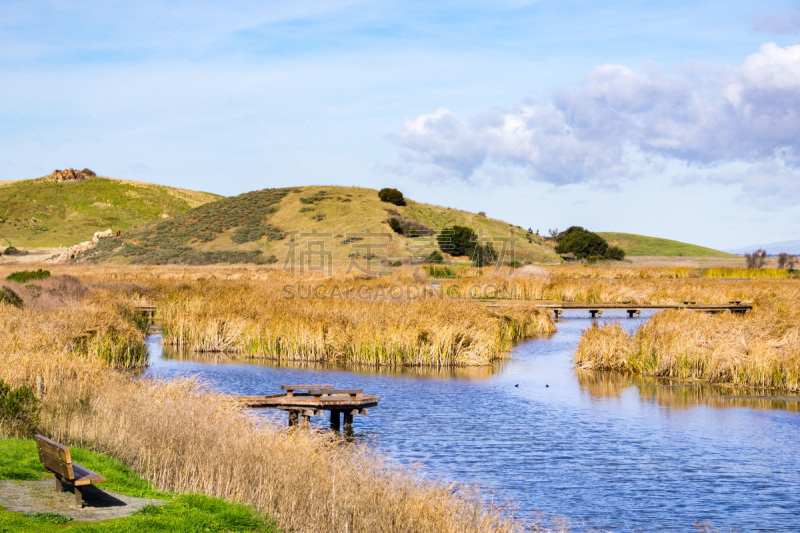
(184, 437)
(79, 330)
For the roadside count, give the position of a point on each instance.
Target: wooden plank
(54, 457)
(320, 392)
(84, 476)
(53, 448)
(56, 466)
(306, 387)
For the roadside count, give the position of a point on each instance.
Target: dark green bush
(88, 172)
(393, 196)
(25, 276)
(395, 225)
(13, 251)
(584, 244)
(435, 257)
(484, 255)
(19, 411)
(616, 253)
(10, 297)
(457, 240)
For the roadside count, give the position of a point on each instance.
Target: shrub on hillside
(584, 244)
(88, 172)
(484, 255)
(13, 251)
(435, 257)
(457, 240)
(25, 276)
(7, 296)
(409, 228)
(393, 196)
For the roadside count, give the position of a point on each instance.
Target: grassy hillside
(38, 214)
(640, 245)
(346, 224)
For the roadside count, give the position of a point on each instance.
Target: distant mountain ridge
(772, 248)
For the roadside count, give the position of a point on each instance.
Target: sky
(674, 119)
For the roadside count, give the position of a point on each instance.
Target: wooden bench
(56, 459)
(317, 393)
(290, 389)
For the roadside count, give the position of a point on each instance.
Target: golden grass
(345, 323)
(185, 438)
(759, 349)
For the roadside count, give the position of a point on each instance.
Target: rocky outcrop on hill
(82, 247)
(59, 176)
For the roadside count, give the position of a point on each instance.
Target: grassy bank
(182, 437)
(182, 512)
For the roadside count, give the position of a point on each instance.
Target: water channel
(605, 450)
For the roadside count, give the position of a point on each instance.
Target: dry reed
(183, 437)
(759, 349)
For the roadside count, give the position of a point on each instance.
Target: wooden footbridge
(633, 310)
(304, 401)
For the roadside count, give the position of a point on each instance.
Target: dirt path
(41, 497)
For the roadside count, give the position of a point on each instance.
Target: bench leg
(59, 486)
(78, 496)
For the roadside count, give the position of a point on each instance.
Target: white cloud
(618, 122)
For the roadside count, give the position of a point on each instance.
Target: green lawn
(641, 245)
(181, 513)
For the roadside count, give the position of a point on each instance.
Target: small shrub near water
(19, 411)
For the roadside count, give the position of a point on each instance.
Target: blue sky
(674, 119)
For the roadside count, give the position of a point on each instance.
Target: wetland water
(604, 450)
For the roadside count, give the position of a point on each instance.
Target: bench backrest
(292, 388)
(55, 457)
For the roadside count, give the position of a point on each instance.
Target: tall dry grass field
(186, 438)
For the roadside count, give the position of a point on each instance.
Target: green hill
(311, 225)
(640, 245)
(42, 214)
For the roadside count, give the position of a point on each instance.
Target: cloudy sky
(676, 119)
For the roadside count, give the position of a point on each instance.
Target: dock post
(292, 418)
(336, 420)
(631, 313)
(348, 422)
(596, 313)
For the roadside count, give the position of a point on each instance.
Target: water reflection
(473, 372)
(670, 393)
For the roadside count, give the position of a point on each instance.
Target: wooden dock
(304, 401)
(633, 310)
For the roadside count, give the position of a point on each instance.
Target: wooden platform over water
(633, 310)
(305, 401)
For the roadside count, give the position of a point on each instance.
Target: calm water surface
(604, 450)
